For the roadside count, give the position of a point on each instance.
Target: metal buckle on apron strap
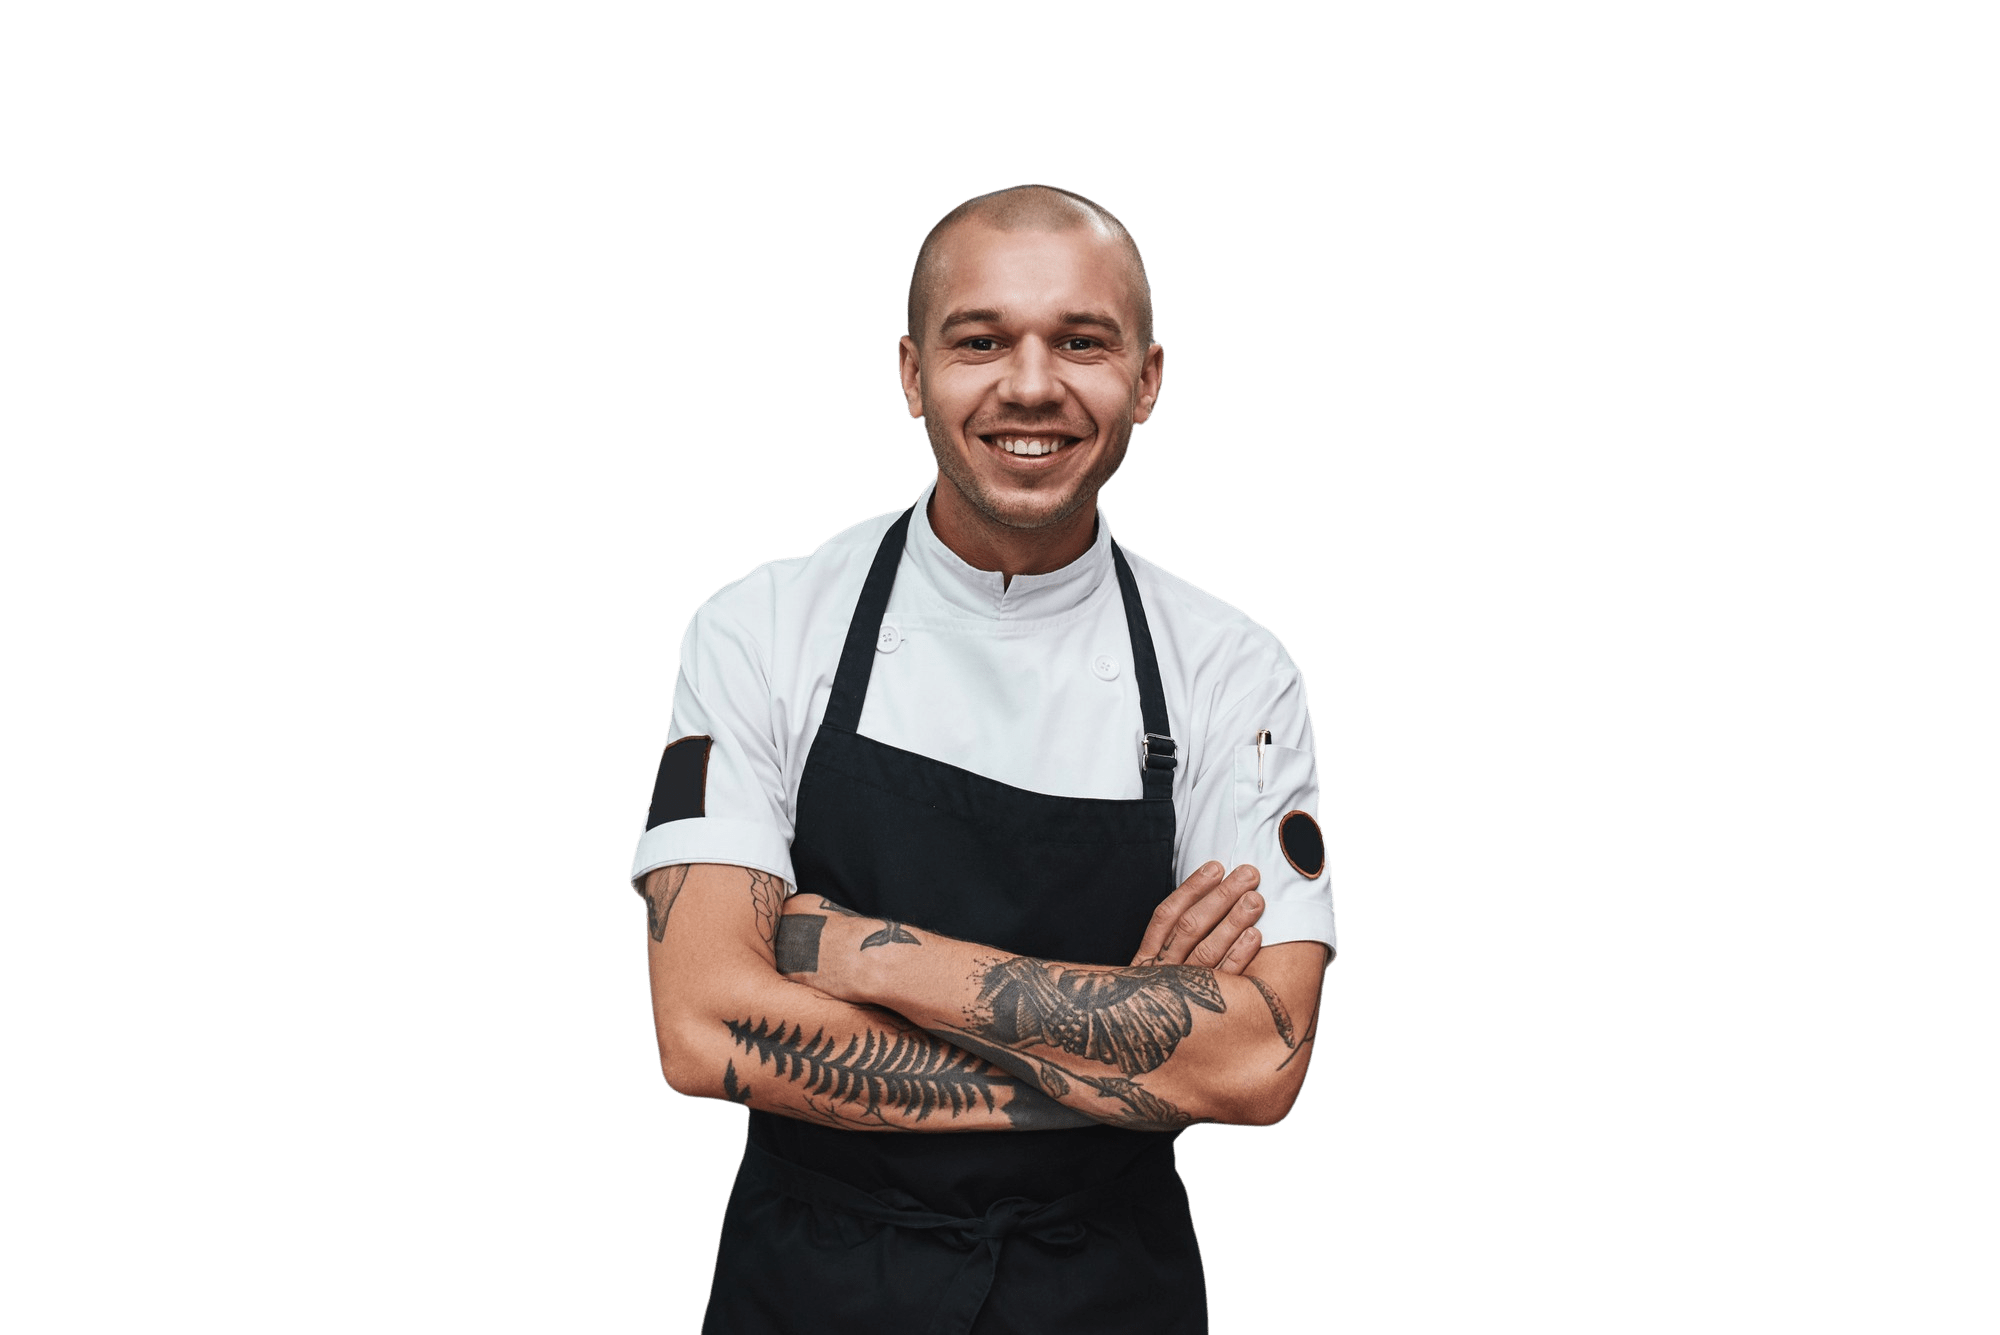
(1157, 751)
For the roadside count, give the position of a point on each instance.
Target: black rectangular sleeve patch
(681, 790)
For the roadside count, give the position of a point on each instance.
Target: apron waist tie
(1057, 1223)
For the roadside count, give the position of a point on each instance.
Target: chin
(1021, 508)
(1036, 514)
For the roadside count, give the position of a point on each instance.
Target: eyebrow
(957, 318)
(1096, 319)
(1093, 319)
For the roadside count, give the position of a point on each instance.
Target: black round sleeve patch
(1298, 835)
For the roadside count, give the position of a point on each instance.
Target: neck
(986, 545)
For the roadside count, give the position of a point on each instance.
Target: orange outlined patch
(1300, 841)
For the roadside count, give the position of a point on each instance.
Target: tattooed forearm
(1132, 1018)
(888, 1080)
(660, 889)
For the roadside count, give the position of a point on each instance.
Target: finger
(1204, 879)
(1204, 914)
(1240, 954)
(1189, 912)
(1207, 915)
(1208, 953)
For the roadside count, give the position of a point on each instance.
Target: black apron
(969, 1232)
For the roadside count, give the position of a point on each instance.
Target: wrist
(866, 977)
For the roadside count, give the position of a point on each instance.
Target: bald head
(1025, 208)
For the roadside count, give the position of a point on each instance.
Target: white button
(1105, 666)
(889, 640)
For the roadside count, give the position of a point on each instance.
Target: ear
(912, 373)
(1149, 382)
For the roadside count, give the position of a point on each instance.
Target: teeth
(1029, 446)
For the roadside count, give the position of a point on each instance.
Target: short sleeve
(1261, 806)
(719, 794)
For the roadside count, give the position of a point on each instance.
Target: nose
(1030, 382)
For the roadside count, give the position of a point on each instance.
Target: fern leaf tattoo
(912, 1072)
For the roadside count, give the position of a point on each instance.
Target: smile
(1031, 446)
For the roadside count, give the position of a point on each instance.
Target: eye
(980, 343)
(1079, 343)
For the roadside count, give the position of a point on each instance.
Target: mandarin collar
(980, 592)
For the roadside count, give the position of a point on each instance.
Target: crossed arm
(805, 1009)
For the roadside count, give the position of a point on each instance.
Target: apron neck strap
(1157, 750)
(857, 656)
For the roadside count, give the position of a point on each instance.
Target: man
(982, 744)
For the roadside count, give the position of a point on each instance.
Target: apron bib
(971, 1232)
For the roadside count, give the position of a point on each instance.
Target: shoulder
(1209, 639)
(780, 601)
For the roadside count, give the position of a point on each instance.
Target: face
(1030, 378)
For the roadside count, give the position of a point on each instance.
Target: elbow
(684, 1061)
(1263, 1099)
(1270, 1106)
(685, 1078)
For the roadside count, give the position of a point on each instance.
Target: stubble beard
(1040, 513)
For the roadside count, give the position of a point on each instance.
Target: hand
(1207, 922)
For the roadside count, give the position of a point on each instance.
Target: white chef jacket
(1030, 684)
